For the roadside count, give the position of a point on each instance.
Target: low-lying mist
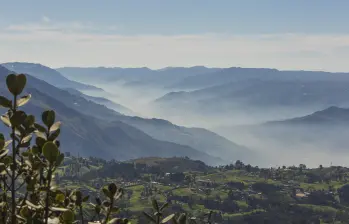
(275, 147)
(290, 145)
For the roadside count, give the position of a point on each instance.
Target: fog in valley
(247, 121)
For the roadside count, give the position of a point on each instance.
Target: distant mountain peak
(46, 74)
(24, 65)
(330, 115)
(192, 67)
(14, 63)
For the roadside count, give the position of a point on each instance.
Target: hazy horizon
(286, 36)
(249, 33)
(169, 67)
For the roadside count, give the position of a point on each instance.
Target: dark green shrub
(28, 161)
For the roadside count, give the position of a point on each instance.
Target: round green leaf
(29, 120)
(16, 83)
(60, 197)
(50, 152)
(48, 117)
(25, 212)
(68, 216)
(112, 188)
(18, 118)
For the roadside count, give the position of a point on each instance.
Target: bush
(27, 170)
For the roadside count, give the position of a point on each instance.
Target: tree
(28, 163)
(239, 165)
(177, 177)
(302, 167)
(248, 168)
(29, 167)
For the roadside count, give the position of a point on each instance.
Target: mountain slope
(95, 137)
(115, 139)
(72, 101)
(199, 139)
(103, 101)
(47, 74)
(263, 99)
(322, 131)
(235, 74)
(165, 77)
(266, 93)
(329, 116)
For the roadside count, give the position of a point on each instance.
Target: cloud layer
(77, 44)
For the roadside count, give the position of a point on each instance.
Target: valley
(174, 112)
(238, 104)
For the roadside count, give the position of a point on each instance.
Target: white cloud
(79, 44)
(46, 25)
(46, 19)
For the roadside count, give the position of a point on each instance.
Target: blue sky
(297, 34)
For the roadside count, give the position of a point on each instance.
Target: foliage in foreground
(28, 161)
(28, 193)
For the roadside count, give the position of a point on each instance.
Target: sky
(297, 34)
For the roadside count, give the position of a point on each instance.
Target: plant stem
(4, 211)
(41, 175)
(14, 167)
(109, 211)
(81, 214)
(99, 218)
(49, 177)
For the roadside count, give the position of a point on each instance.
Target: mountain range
(270, 94)
(164, 78)
(103, 101)
(332, 116)
(95, 130)
(266, 94)
(47, 74)
(299, 109)
(262, 94)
